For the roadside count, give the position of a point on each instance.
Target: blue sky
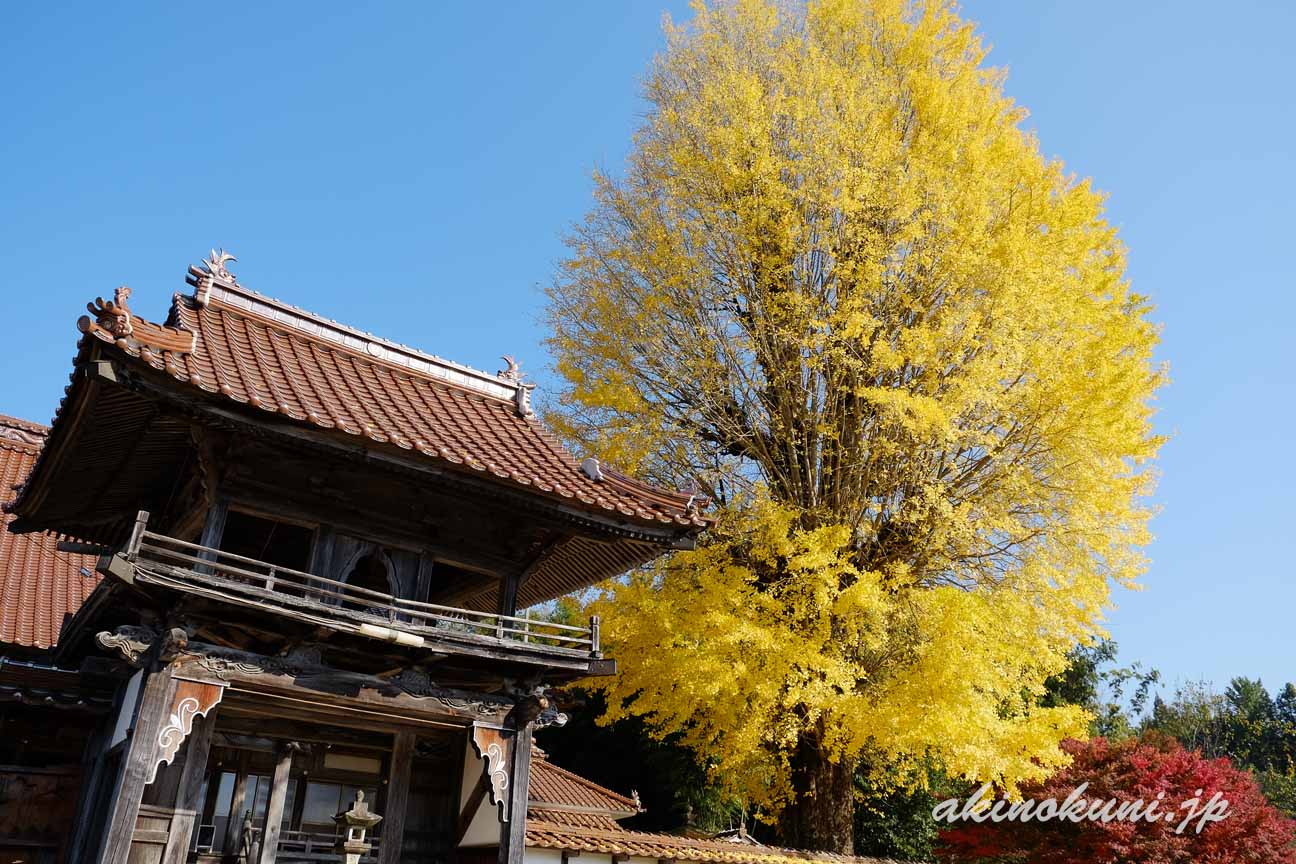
(409, 168)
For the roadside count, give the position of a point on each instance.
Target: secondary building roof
(670, 847)
(567, 812)
(38, 583)
(559, 797)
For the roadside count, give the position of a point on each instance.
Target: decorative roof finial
(694, 491)
(522, 399)
(592, 469)
(210, 270)
(215, 264)
(513, 374)
(113, 315)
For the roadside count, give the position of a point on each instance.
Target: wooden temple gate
(325, 599)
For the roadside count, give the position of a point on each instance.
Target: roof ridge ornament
(211, 269)
(696, 499)
(522, 398)
(10, 432)
(592, 469)
(113, 315)
(215, 264)
(513, 374)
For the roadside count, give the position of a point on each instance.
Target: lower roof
(39, 585)
(568, 812)
(670, 847)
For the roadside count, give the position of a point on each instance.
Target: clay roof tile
(39, 585)
(254, 350)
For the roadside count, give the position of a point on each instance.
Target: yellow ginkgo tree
(838, 283)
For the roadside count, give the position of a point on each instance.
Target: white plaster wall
(484, 829)
(126, 716)
(544, 856)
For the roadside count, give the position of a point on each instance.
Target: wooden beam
(568, 854)
(186, 809)
(398, 781)
(137, 764)
(275, 807)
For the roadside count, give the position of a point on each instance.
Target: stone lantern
(357, 821)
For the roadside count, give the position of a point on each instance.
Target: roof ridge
(389, 358)
(16, 433)
(589, 784)
(709, 844)
(215, 282)
(20, 423)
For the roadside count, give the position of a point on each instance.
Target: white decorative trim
(184, 711)
(493, 747)
(365, 343)
(497, 768)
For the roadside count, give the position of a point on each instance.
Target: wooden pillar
(91, 785)
(398, 782)
(508, 594)
(275, 807)
(137, 765)
(234, 830)
(186, 806)
(512, 844)
(213, 530)
(423, 586)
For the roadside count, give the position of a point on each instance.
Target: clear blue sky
(409, 168)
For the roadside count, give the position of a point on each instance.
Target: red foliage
(1252, 831)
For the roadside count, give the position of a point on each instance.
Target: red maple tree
(1251, 831)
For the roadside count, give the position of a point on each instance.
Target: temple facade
(261, 562)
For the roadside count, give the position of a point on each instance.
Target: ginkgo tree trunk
(839, 285)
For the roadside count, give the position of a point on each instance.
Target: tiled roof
(249, 349)
(566, 811)
(559, 797)
(669, 847)
(38, 584)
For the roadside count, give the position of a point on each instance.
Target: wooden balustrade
(184, 566)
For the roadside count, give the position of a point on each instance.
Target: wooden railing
(319, 600)
(293, 845)
(302, 846)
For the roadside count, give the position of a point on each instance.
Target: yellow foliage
(840, 284)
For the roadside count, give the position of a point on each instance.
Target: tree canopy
(839, 285)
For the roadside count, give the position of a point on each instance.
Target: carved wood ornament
(495, 747)
(191, 700)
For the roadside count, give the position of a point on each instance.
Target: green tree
(1249, 727)
(1115, 697)
(1194, 717)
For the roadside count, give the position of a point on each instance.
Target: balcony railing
(293, 845)
(321, 601)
